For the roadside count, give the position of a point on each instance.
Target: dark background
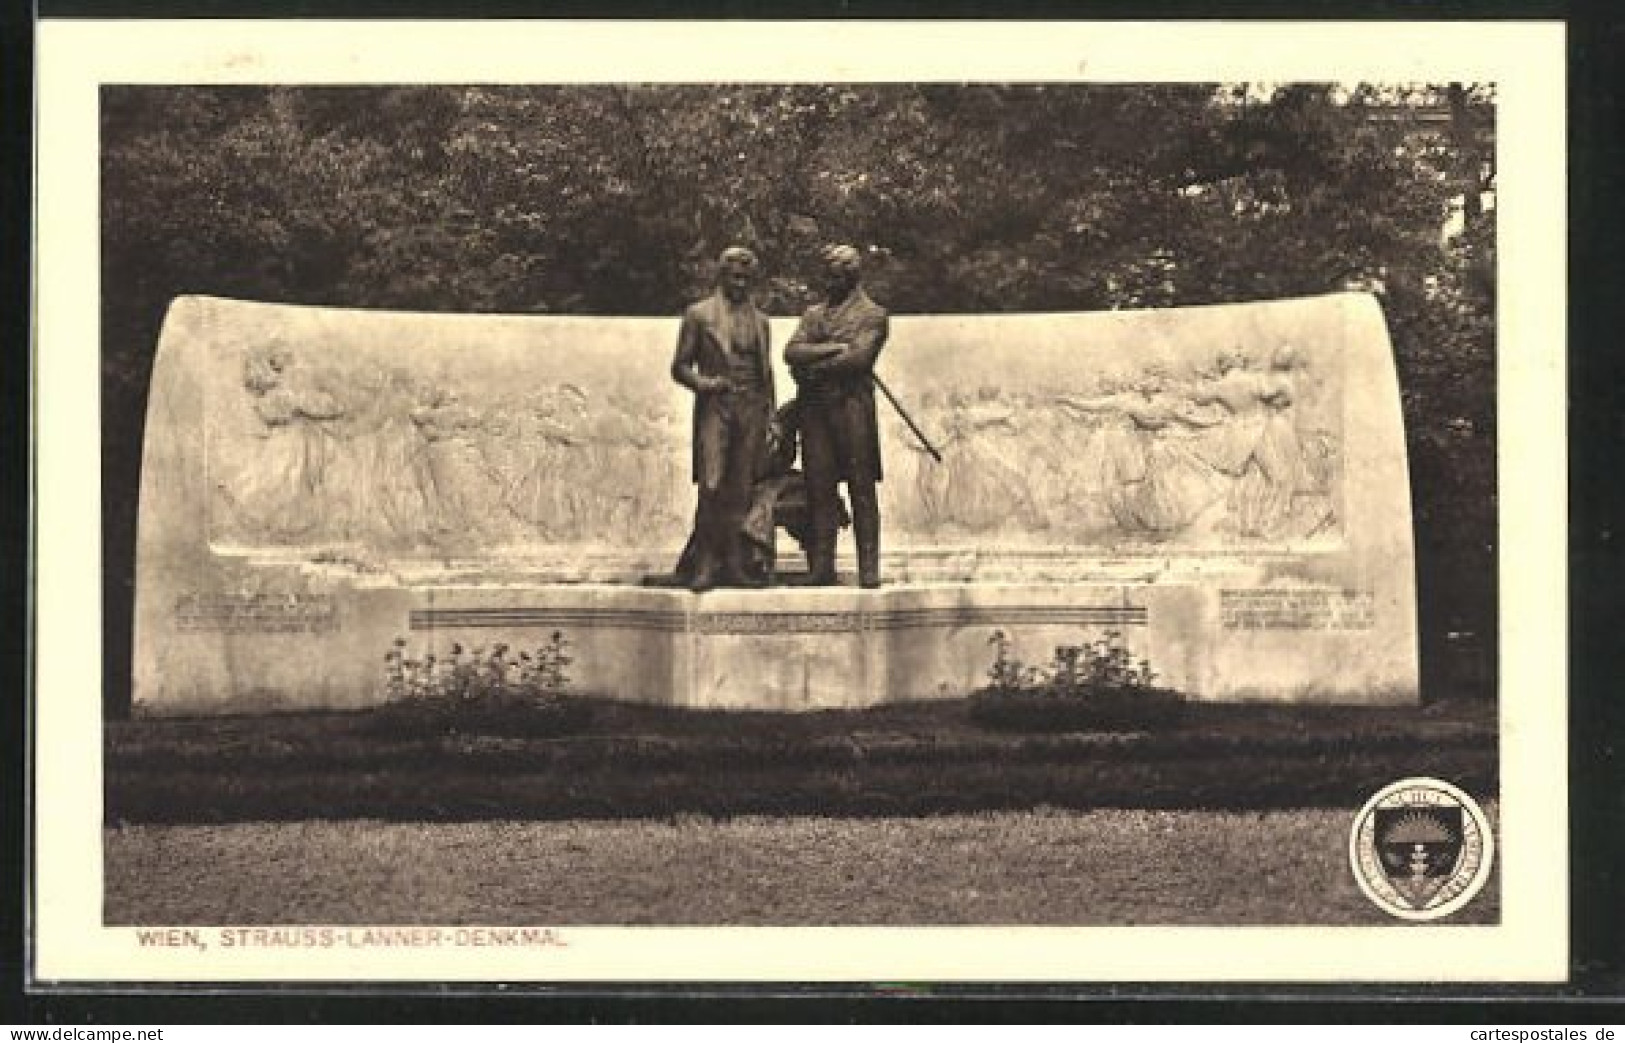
(615, 199)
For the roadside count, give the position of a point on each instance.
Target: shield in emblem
(1419, 848)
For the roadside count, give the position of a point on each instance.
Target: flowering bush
(475, 674)
(1074, 670)
(499, 688)
(1095, 684)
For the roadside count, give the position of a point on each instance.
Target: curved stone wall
(316, 479)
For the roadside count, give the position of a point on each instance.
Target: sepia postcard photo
(593, 502)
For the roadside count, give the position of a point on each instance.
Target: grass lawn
(634, 761)
(909, 814)
(1033, 867)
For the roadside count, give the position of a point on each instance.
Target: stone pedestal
(811, 649)
(791, 649)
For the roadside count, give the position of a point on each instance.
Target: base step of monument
(806, 648)
(782, 649)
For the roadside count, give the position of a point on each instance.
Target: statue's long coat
(702, 341)
(845, 401)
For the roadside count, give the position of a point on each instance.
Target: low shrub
(495, 691)
(1091, 686)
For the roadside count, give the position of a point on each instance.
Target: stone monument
(1224, 487)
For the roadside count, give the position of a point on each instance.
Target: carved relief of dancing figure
(1258, 445)
(984, 484)
(280, 494)
(1152, 484)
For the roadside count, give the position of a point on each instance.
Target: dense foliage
(613, 199)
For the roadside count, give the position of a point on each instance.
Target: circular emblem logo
(1421, 849)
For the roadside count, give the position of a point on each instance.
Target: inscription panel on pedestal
(1297, 609)
(257, 613)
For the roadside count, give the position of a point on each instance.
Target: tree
(614, 199)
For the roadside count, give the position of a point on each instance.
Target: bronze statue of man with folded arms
(832, 357)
